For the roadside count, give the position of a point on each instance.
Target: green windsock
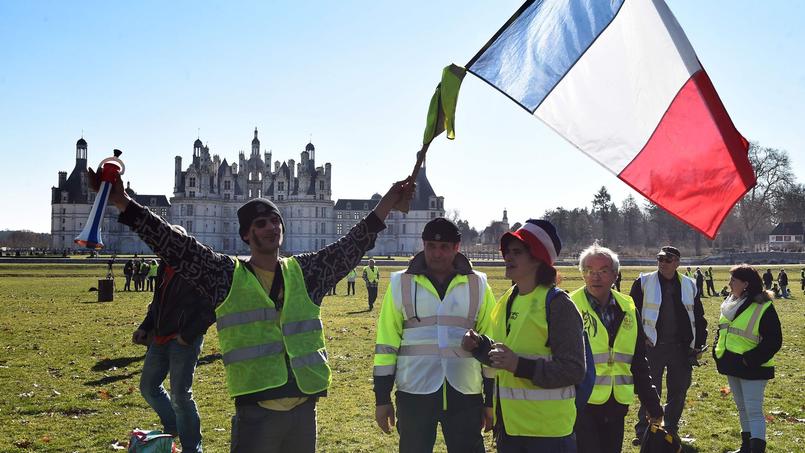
(442, 110)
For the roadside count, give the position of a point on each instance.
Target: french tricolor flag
(619, 80)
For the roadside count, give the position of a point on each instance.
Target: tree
(602, 208)
(516, 226)
(632, 218)
(774, 176)
(789, 206)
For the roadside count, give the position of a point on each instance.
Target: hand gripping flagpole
(111, 168)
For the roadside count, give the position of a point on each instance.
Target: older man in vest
(619, 351)
(676, 332)
(426, 311)
(267, 311)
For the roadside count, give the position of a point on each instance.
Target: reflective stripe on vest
(652, 291)
(252, 352)
(618, 380)
(432, 349)
(245, 317)
(561, 393)
(527, 409)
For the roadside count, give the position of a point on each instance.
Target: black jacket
(177, 308)
(747, 365)
(686, 336)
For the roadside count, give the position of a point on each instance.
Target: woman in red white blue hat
(535, 368)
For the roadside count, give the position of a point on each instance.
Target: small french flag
(619, 80)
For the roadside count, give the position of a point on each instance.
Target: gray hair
(598, 250)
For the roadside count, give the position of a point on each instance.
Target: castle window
(321, 196)
(321, 185)
(316, 225)
(153, 201)
(338, 215)
(226, 196)
(317, 211)
(349, 206)
(227, 185)
(365, 206)
(391, 229)
(190, 209)
(192, 182)
(189, 226)
(432, 204)
(339, 229)
(403, 231)
(323, 230)
(280, 185)
(192, 194)
(280, 198)
(355, 216)
(433, 214)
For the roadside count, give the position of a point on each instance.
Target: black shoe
(757, 446)
(744, 443)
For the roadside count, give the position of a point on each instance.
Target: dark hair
(547, 275)
(748, 274)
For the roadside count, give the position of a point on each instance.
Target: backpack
(151, 442)
(584, 388)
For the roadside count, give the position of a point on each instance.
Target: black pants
(599, 432)
(259, 430)
(711, 289)
(418, 415)
(372, 290)
(673, 359)
(350, 287)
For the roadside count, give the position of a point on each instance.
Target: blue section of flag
(531, 55)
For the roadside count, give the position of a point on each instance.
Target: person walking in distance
(351, 281)
(371, 276)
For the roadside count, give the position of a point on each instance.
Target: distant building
(71, 202)
(493, 233)
(403, 233)
(208, 192)
(787, 236)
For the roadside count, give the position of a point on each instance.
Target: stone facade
(208, 192)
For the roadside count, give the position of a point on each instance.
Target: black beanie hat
(441, 229)
(252, 209)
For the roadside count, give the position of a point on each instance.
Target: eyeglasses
(603, 273)
(665, 259)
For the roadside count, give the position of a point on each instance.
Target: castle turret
(81, 151)
(177, 174)
(255, 145)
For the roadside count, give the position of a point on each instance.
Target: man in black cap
(267, 311)
(676, 331)
(426, 311)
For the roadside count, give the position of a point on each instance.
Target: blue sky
(357, 75)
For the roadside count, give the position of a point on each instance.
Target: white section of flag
(609, 104)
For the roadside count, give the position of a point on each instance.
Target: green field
(69, 374)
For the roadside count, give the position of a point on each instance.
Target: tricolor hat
(540, 237)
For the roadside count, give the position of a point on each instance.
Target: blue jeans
(748, 396)
(177, 412)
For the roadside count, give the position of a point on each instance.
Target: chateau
(209, 191)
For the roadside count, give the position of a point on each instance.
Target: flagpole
(420, 158)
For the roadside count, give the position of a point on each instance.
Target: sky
(353, 77)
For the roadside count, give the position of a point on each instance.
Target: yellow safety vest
(743, 333)
(255, 337)
(613, 371)
(372, 275)
(424, 347)
(529, 410)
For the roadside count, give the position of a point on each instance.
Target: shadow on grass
(110, 379)
(208, 359)
(108, 364)
(358, 312)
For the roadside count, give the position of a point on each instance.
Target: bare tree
(774, 176)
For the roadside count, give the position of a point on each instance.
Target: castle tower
(255, 145)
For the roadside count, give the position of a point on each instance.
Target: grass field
(69, 374)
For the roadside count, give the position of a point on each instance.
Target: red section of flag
(696, 164)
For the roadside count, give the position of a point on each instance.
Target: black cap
(441, 229)
(252, 209)
(669, 250)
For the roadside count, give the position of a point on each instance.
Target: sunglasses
(665, 259)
